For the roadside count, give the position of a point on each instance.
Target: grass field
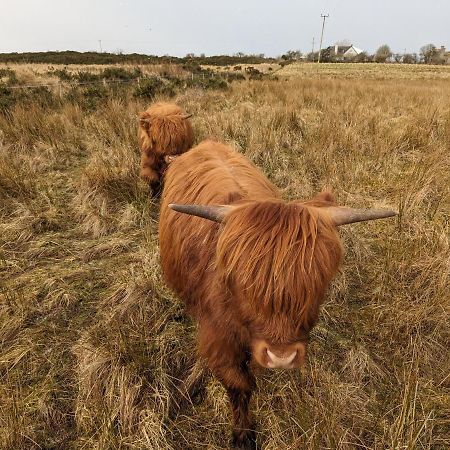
(93, 347)
(368, 71)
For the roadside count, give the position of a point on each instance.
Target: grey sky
(178, 27)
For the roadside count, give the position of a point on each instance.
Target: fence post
(139, 81)
(104, 82)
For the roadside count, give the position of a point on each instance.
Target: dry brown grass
(367, 71)
(95, 352)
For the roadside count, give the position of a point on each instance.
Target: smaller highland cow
(164, 132)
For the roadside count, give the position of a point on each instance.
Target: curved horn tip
(181, 208)
(345, 215)
(177, 207)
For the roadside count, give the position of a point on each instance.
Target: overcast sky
(177, 27)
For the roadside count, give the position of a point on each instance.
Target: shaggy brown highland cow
(254, 274)
(164, 132)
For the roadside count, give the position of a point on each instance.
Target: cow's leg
(229, 363)
(244, 436)
(150, 174)
(239, 384)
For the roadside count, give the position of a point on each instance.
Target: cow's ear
(325, 197)
(144, 121)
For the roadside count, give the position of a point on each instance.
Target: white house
(341, 52)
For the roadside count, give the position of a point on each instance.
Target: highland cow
(164, 132)
(254, 275)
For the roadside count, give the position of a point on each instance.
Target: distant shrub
(254, 74)
(231, 76)
(192, 67)
(120, 90)
(88, 97)
(5, 72)
(7, 99)
(210, 82)
(87, 77)
(8, 76)
(119, 73)
(62, 74)
(40, 96)
(110, 73)
(237, 68)
(151, 86)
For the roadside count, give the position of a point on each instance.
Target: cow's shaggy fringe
(281, 257)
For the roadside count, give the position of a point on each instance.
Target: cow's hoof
(244, 440)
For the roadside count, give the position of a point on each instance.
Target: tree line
(429, 54)
(73, 57)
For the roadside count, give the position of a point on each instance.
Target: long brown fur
(164, 131)
(263, 272)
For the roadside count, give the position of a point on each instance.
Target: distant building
(444, 55)
(340, 52)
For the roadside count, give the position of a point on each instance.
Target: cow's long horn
(215, 213)
(342, 215)
(186, 115)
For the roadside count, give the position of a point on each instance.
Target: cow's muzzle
(289, 356)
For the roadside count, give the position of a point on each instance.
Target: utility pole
(100, 43)
(312, 51)
(324, 16)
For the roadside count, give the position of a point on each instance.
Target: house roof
(357, 50)
(341, 50)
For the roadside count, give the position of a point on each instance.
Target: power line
(324, 16)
